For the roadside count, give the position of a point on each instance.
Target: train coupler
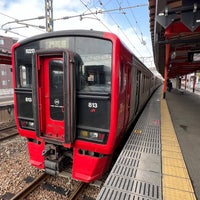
(51, 167)
(54, 161)
(51, 152)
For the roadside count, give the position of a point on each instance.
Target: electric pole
(49, 15)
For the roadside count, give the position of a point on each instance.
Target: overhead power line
(94, 14)
(128, 20)
(21, 22)
(124, 13)
(101, 4)
(7, 15)
(138, 26)
(99, 11)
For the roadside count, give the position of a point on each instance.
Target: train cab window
(96, 55)
(95, 75)
(96, 78)
(24, 77)
(56, 75)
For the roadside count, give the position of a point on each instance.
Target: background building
(6, 86)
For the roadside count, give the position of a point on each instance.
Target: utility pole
(49, 15)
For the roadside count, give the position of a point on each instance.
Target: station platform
(6, 108)
(6, 100)
(152, 164)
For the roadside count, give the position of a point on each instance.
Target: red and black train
(76, 93)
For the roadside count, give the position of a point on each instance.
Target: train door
(53, 107)
(54, 95)
(137, 96)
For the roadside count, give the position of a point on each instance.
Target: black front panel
(24, 104)
(93, 112)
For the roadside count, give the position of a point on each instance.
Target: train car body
(76, 93)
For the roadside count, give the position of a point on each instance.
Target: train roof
(89, 33)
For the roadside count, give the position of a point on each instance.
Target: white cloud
(66, 5)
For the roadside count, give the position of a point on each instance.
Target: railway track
(6, 125)
(29, 188)
(8, 130)
(25, 192)
(76, 191)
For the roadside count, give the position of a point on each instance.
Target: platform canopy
(175, 34)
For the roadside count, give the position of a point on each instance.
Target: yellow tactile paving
(173, 194)
(168, 147)
(173, 162)
(169, 139)
(169, 134)
(176, 181)
(171, 154)
(167, 142)
(174, 171)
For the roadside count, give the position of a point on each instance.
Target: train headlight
(84, 133)
(27, 124)
(31, 124)
(92, 136)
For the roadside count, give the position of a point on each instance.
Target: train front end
(63, 101)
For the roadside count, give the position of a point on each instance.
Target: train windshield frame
(94, 74)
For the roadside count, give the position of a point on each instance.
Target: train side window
(25, 76)
(121, 74)
(143, 83)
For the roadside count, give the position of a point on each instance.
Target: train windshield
(94, 74)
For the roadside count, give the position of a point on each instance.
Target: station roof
(175, 34)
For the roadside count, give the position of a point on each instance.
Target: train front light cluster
(92, 136)
(27, 124)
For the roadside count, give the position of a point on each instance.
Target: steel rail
(77, 190)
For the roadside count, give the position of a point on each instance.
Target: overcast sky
(131, 24)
